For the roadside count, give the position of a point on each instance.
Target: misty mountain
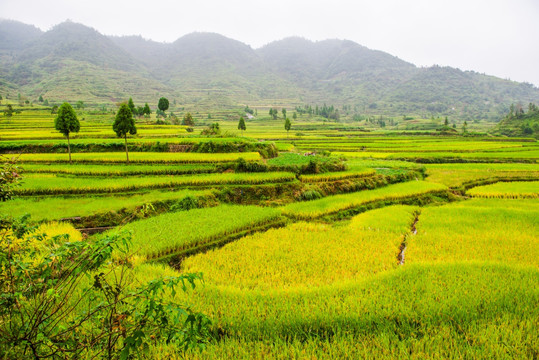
(15, 35)
(75, 62)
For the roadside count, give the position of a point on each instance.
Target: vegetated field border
(335, 176)
(507, 192)
(345, 212)
(434, 197)
(492, 180)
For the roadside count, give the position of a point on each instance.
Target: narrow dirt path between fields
(404, 243)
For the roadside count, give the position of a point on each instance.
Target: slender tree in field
(241, 125)
(124, 124)
(287, 126)
(66, 122)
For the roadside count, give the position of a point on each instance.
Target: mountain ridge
(72, 60)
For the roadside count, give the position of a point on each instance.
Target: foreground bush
(69, 299)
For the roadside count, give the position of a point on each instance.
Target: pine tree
(131, 106)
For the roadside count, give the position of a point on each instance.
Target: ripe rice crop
(456, 175)
(120, 170)
(50, 184)
(52, 229)
(334, 204)
(504, 231)
(174, 232)
(140, 157)
(308, 255)
(389, 313)
(507, 190)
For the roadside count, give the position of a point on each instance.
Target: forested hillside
(74, 62)
(520, 122)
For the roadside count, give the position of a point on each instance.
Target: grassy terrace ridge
(55, 208)
(135, 140)
(173, 232)
(50, 184)
(526, 155)
(507, 190)
(140, 157)
(341, 175)
(333, 204)
(120, 170)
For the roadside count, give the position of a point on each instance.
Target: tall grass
(49, 184)
(511, 190)
(173, 232)
(54, 208)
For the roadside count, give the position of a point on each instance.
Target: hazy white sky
(497, 37)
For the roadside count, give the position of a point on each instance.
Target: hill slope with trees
(519, 122)
(74, 62)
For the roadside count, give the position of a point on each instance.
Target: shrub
(310, 195)
(187, 203)
(244, 166)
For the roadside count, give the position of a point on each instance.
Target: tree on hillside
(241, 125)
(294, 116)
(40, 98)
(9, 111)
(464, 127)
(80, 104)
(131, 106)
(287, 126)
(146, 110)
(123, 125)
(188, 120)
(284, 113)
(163, 104)
(446, 121)
(66, 122)
(273, 112)
(54, 109)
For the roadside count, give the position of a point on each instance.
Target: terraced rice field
(412, 246)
